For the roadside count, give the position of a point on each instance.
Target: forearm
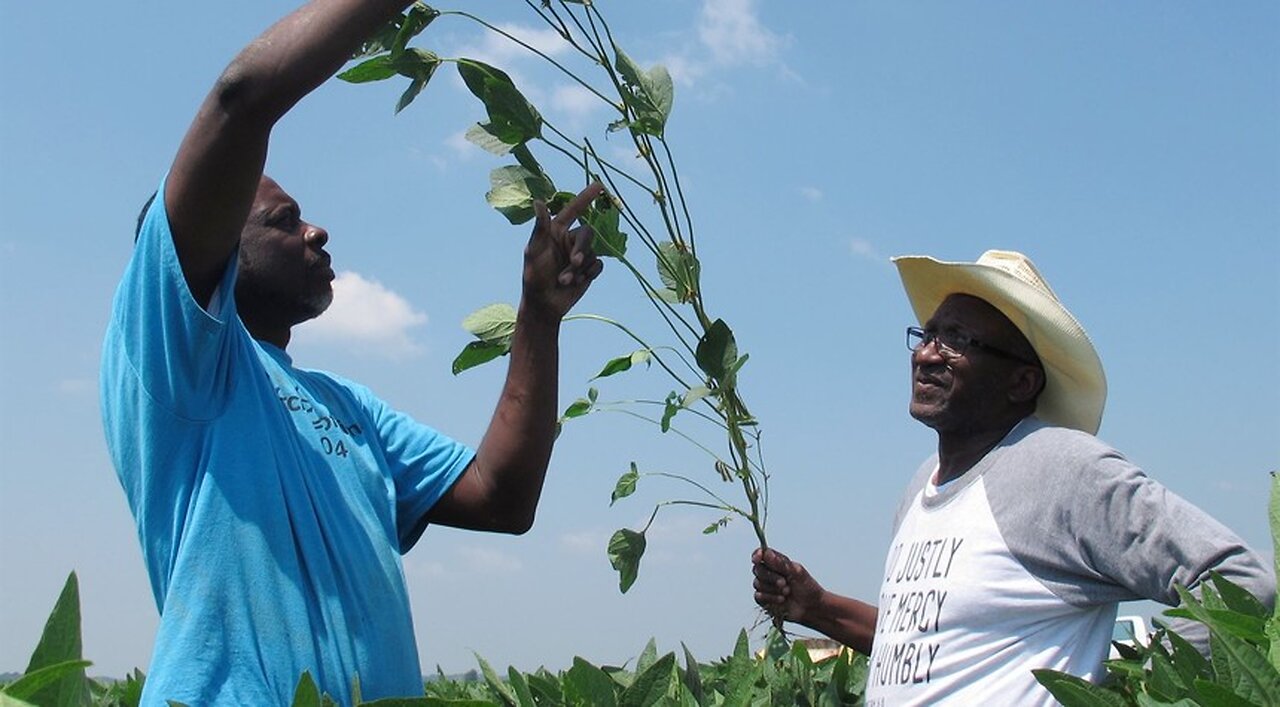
(298, 53)
(516, 449)
(215, 174)
(847, 620)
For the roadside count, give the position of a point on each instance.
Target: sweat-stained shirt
(272, 503)
(1020, 563)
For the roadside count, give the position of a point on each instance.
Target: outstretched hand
(559, 263)
(784, 588)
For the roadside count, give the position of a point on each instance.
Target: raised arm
(215, 175)
(785, 589)
(499, 491)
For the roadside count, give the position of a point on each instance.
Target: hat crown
(1075, 390)
(1018, 266)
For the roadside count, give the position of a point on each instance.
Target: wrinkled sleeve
(160, 338)
(423, 463)
(1148, 539)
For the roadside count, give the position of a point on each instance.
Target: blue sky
(1131, 149)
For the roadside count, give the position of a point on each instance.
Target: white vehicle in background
(1131, 630)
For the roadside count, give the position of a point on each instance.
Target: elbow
(517, 522)
(242, 94)
(232, 93)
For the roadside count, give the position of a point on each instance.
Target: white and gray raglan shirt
(1020, 563)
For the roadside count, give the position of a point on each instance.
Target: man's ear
(1026, 382)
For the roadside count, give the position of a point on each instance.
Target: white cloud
(489, 561)
(366, 316)
(811, 194)
(429, 569)
(684, 69)
(734, 34)
(583, 542)
(863, 248)
(461, 146)
(497, 49)
(575, 102)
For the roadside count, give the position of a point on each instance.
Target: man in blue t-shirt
(272, 502)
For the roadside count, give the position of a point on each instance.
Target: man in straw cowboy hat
(1014, 543)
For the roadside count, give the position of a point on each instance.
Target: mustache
(930, 376)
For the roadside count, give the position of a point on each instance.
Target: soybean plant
(644, 222)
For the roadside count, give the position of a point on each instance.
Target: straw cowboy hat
(1075, 388)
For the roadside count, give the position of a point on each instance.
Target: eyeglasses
(952, 346)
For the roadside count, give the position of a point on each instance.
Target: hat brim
(1075, 391)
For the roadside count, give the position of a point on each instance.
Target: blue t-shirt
(272, 503)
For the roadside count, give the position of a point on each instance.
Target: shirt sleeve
(1147, 538)
(423, 463)
(177, 351)
(1094, 528)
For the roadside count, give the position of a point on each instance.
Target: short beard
(282, 308)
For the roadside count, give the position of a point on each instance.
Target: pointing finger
(579, 204)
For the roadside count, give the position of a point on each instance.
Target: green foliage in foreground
(782, 675)
(1243, 667)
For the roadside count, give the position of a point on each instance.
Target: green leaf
(525, 158)
(648, 656)
(1072, 691)
(585, 684)
(717, 352)
(577, 408)
(626, 547)
(1219, 696)
(59, 645)
(520, 686)
(512, 119)
(494, 325)
(1273, 513)
(624, 363)
(1186, 658)
(742, 672)
(35, 682)
(477, 353)
(1165, 681)
(1145, 700)
(546, 687)
(431, 701)
(1237, 598)
(481, 135)
(410, 93)
(416, 64)
(513, 190)
(649, 94)
(306, 694)
(692, 676)
(376, 69)
(494, 322)
(626, 484)
(679, 271)
(499, 688)
(669, 410)
(417, 19)
(652, 683)
(717, 526)
(1223, 622)
(604, 219)
(1252, 675)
